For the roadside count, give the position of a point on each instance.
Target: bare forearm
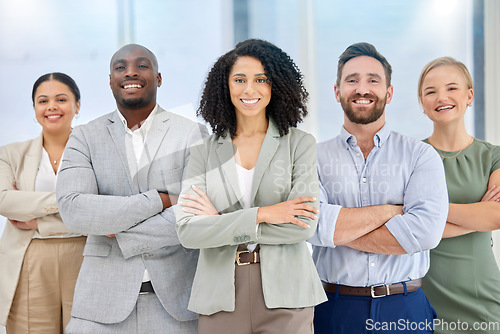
(481, 216)
(451, 230)
(379, 241)
(353, 223)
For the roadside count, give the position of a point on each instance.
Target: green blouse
(463, 282)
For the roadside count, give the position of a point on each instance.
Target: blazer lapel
(154, 139)
(267, 152)
(32, 158)
(117, 131)
(159, 128)
(225, 155)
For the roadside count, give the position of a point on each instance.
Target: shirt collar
(379, 139)
(146, 124)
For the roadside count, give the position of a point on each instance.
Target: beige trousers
(44, 294)
(251, 314)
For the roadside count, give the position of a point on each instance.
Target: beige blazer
(19, 164)
(286, 169)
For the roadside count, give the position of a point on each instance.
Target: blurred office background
(187, 36)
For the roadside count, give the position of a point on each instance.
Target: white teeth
(444, 108)
(53, 116)
(250, 101)
(132, 86)
(362, 101)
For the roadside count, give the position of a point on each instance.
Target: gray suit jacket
(97, 195)
(286, 169)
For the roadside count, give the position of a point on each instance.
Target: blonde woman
(463, 283)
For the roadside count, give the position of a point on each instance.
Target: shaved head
(126, 49)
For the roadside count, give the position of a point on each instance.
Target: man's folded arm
(81, 206)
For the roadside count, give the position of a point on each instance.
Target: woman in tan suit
(251, 198)
(40, 258)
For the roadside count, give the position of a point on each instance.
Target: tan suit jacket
(286, 169)
(19, 164)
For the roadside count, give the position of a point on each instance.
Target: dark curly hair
(288, 95)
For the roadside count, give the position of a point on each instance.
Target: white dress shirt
(134, 142)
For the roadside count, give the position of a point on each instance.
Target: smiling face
(445, 94)
(134, 77)
(363, 91)
(55, 106)
(249, 87)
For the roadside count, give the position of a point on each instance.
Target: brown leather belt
(244, 257)
(146, 288)
(375, 291)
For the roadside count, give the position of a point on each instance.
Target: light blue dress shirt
(398, 170)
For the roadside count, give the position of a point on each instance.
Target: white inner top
(46, 181)
(245, 179)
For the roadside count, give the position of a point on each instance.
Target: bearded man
(383, 207)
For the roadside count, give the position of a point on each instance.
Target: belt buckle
(238, 262)
(144, 293)
(372, 290)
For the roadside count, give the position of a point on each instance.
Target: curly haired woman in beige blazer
(40, 258)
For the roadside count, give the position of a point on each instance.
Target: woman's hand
(287, 212)
(28, 225)
(201, 204)
(493, 194)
